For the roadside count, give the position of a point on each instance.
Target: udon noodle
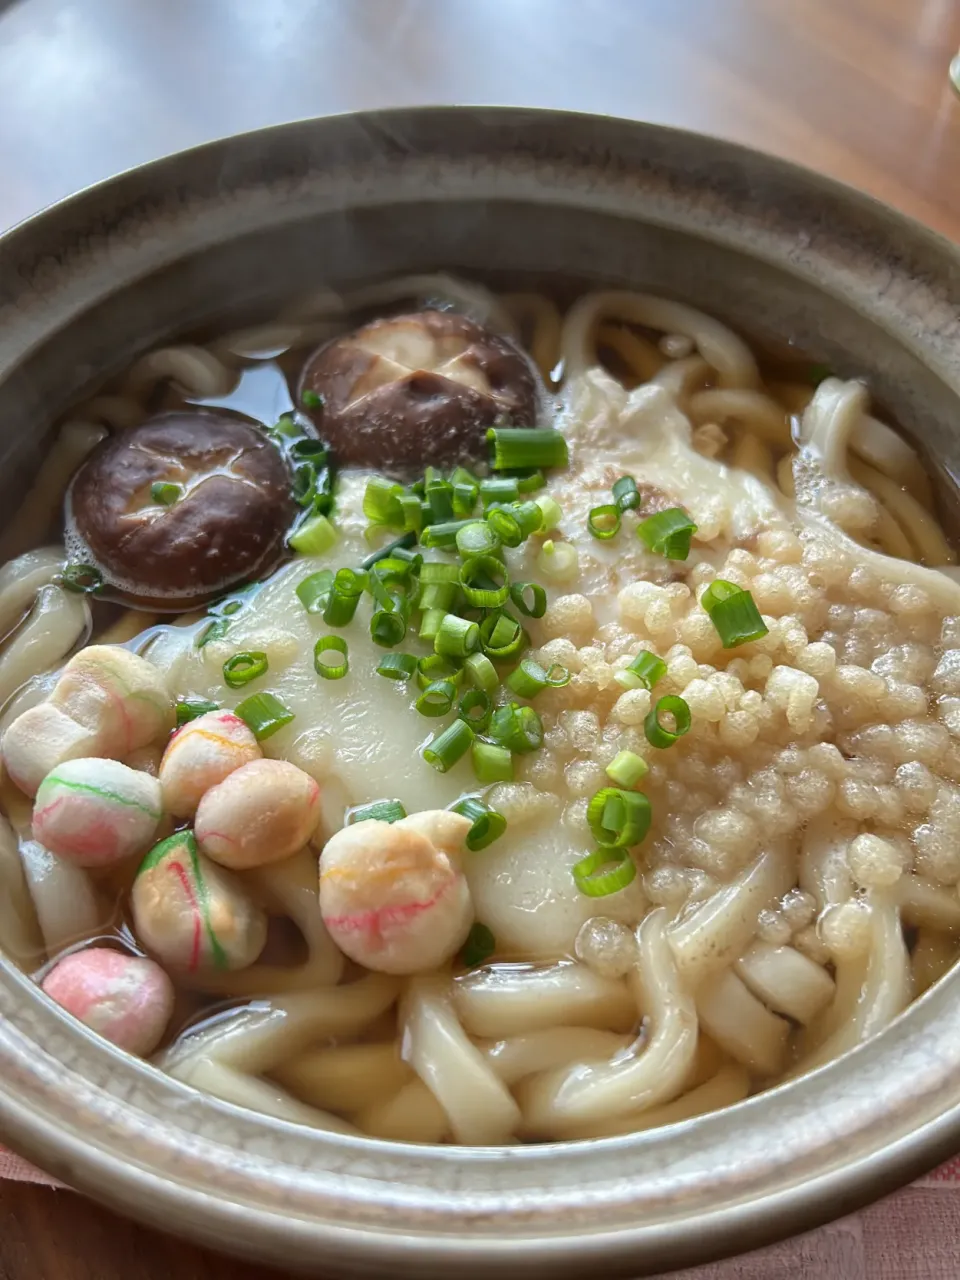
(797, 887)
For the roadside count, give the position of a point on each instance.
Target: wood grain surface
(855, 88)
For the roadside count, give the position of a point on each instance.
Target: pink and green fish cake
(97, 812)
(192, 915)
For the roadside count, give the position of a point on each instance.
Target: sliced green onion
(528, 516)
(305, 483)
(345, 592)
(498, 489)
(465, 495)
(397, 666)
(643, 672)
(527, 447)
(437, 571)
(216, 631)
(457, 637)
(478, 538)
(380, 502)
(483, 580)
(437, 698)
(85, 579)
(479, 946)
(315, 450)
(492, 762)
(482, 673)
(388, 627)
(404, 542)
(733, 612)
(551, 512)
(443, 535)
(530, 678)
(531, 482)
(518, 728)
(443, 751)
(314, 536)
(311, 399)
(431, 620)
(618, 818)
(286, 426)
(165, 493)
(626, 768)
(671, 705)
(558, 560)
(314, 590)
(411, 512)
(501, 636)
(529, 598)
(439, 496)
(668, 533)
(379, 811)
(439, 595)
(625, 493)
(191, 708)
(505, 525)
(488, 824)
(244, 667)
(330, 670)
(476, 707)
(604, 522)
(604, 872)
(263, 714)
(433, 666)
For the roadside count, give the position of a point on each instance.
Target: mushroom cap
(227, 525)
(418, 389)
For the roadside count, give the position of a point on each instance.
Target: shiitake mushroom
(416, 390)
(181, 507)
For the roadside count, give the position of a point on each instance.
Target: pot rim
(802, 1153)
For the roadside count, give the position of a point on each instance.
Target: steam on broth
(392, 780)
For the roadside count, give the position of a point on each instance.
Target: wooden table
(857, 88)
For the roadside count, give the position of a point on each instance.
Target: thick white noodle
(36, 690)
(256, 1039)
(741, 1025)
(246, 1091)
(787, 981)
(345, 1077)
(923, 902)
(730, 1084)
(64, 898)
(651, 1072)
(39, 509)
(828, 422)
(195, 370)
(412, 1114)
(715, 932)
(22, 578)
(755, 410)
(59, 621)
(510, 1000)
(522, 1055)
(20, 936)
(886, 449)
(682, 378)
(477, 1102)
(719, 346)
(824, 870)
(119, 413)
(886, 989)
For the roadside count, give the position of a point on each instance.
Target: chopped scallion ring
(532, 482)
(313, 590)
(263, 714)
(443, 751)
(244, 667)
(315, 536)
(431, 620)
(604, 522)
(443, 536)
(476, 708)
(671, 705)
(404, 542)
(558, 560)
(733, 612)
(530, 678)
(434, 666)
(479, 946)
(85, 579)
(477, 538)
(457, 637)
(437, 698)
(551, 512)
(643, 672)
(517, 728)
(192, 708)
(332, 645)
(618, 818)
(311, 399)
(529, 598)
(438, 571)
(520, 447)
(492, 763)
(498, 489)
(482, 673)
(483, 580)
(625, 493)
(504, 523)
(528, 516)
(380, 502)
(668, 533)
(341, 604)
(397, 666)
(165, 494)
(604, 872)
(626, 768)
(488, 824)
(378, 811)
(388, 627)
(501, 636)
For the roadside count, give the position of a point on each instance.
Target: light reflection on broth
(797, 885)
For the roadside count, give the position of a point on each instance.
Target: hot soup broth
(451, 717)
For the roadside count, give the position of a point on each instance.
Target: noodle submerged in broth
(584, 758)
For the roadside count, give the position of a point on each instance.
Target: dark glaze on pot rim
(837, 264)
